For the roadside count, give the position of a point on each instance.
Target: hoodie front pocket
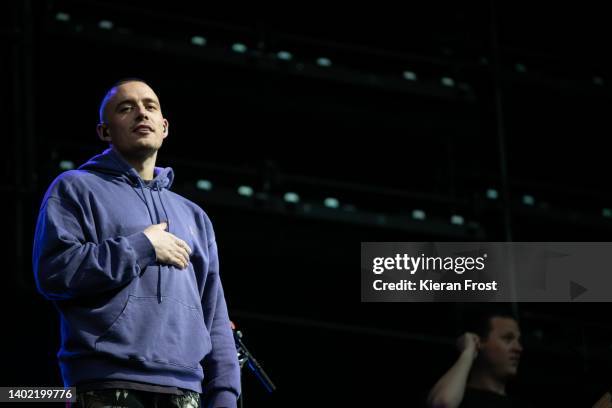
(169, 332)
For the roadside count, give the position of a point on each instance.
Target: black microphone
(245, 356)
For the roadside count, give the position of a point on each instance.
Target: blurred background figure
(489, 358)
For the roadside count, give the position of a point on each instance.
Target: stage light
(457, 220)
(292, 198)
(66, 165)
(105, 25)
(331, 202)
(284, 55)
(205, 185)
(62, 16)
(239, 48)
(492, 194)
(324, 62)
(245, 191)
(410, 76)
(198, 40)
(528, 200)
(446, 81)
(418, 215)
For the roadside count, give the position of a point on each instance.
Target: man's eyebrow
(123, 102)
(145, 100)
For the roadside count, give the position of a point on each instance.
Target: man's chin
(141, 152)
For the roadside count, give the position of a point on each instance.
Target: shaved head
(112, 91)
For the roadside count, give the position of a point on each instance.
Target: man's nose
(141, 111)
(518, 346)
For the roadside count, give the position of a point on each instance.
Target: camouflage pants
(117, 398)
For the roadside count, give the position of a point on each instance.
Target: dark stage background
(491, 122)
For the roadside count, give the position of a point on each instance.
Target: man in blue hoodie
(132, 269)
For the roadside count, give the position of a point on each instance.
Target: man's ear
(166, 126)
(103, 133)
(479, 341)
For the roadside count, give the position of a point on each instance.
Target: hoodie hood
(110, 162)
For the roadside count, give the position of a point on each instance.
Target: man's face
(135, 125)
(501, 350)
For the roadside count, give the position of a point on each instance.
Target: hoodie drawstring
(163, 208)
(144, 199)
(159, 277)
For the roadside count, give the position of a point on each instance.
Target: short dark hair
(478, 320)
(109, 94)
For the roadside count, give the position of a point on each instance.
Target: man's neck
(484, 381)
(145, 166)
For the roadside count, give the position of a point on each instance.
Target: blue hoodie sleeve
(221, 368)
(67, 266)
